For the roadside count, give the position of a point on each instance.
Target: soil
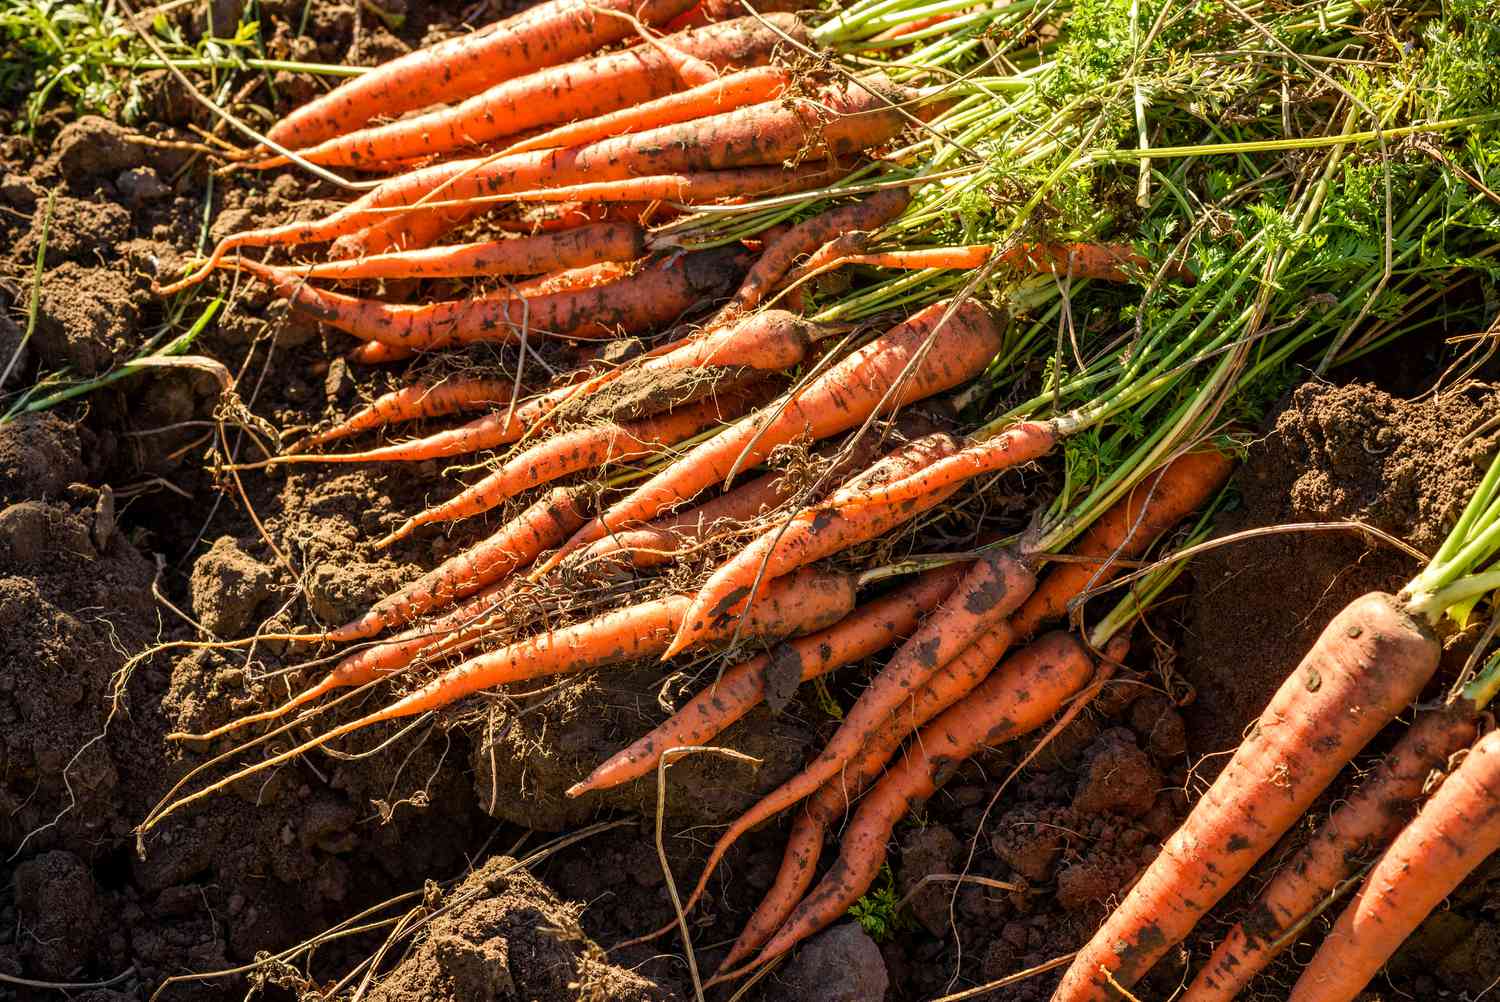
(117, 532)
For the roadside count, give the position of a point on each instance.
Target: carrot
(769, 341)
(874, 378)
(1454, 832)
(991, 588)
(841, 121)
(806, 537)
(455, 630)
(806, 602)
(910, 27)
(573, 248)
(545, 35)
(697, 188)
(709, 11)
(395, 234)
(733, 90)
(1124, 532)
(1105, 262)
(1369, 818)
(1015, 700)
(411, 403)
(543, 524)
(870, 628)
(547, 218)
(638, 302)
(1369, 663)
(565, 93)
(779, 255)
(657, 542)
(828, 528)
(570, 452)
(950, 683)
(1018, 444)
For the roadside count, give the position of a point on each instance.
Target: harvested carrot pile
(910, 348)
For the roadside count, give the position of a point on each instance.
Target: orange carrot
(573, 451)
(991, 588)
(769, 341)
(1454, 832)
(1018, 444)
(733, 90)
(841, 121)
(542, 525)
(411, 403)
(394, 234)
(874, 378)
(657, 542)
(646, 299)
(1124, 532)
(455, 630)
(570, 92)
(710, 11)
(828, 528)
(697, 188)
(573, 248)
(1368, 819)
(779, 255)
(545, 35)
(910, 27)
(870, 628)
(1105, 262)
(806, 537)
(1369, 663)
(807, 602)
(1015, 700)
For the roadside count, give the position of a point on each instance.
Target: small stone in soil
(842, 964)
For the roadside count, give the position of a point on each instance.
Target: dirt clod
(38, 457)
(927, 851)
(502, 936)
(92, 146)
(1119, 777)
(58, 913)
(228, 588)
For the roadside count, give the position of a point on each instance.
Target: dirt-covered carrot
(1124, 532)
(698, 188)
(1364, 821)
(1105, 262)
(806, 602)
(1367, 665)
(536, 255)
(841, 121)
(541, 526)
(710, 11)
(658, 542)
(940, 355)
(778, 256)
(732, 90)
(570, 452)
(648, 298)
(990, 590)
(734, 583)
(545, 35)
(459, 628)
(769, 341)
(1453, 833)
(411, 403)
(1019, 697)
(869, 629)
(571, 92)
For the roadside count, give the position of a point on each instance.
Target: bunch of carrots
(695, 175)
